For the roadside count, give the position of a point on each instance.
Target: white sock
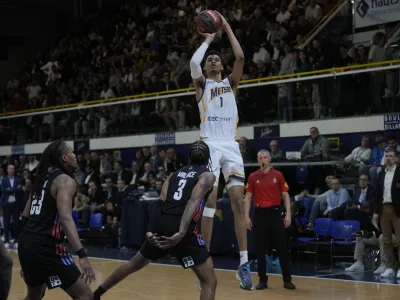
(243, 257)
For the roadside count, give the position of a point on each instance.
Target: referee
(268, 186)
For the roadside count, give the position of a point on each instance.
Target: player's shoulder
(63, 180)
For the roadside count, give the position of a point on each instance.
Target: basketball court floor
(168, 281)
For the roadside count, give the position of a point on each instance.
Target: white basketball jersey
(218, 110)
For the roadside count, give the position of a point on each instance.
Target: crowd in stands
(138, 48)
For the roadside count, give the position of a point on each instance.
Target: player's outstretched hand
(87, 270)
(153, 239)
(168, 242)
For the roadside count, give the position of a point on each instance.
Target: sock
(243, 257)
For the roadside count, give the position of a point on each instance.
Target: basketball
(208, 21)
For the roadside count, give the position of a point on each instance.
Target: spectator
(276, 153)
(248, 154)
(361, 154)
(372, 165)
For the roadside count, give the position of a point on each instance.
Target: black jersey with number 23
(181, 184)
(43, 215)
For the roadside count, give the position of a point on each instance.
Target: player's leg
(233, 170)
(146, 254)
(206, 275)
(207, 220)
(6, 264)
(36, 292)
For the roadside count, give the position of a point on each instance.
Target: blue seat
(322, 229)
(343, 235)
(301, 174)
(96, 220)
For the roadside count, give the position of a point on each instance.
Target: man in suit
(11, 199)
(361, 207)
(388, 209)
(121, 173)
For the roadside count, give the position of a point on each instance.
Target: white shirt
(283, 17)
(261, 55)
(359, 154)
(387, 187)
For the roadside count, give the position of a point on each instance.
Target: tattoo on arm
(204, 184)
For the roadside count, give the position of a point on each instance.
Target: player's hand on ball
(87, 270)
(223, 20)
(209, 36)
(168, 242)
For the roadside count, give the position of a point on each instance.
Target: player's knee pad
(209, 212)
(234, 182)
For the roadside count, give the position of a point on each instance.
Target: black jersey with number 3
(180, 187)
(43, 215)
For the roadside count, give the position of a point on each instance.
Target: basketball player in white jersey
(219, 118)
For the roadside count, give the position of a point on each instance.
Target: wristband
(98, 292)
(81, 253)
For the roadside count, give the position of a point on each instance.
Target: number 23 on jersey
(36, 205)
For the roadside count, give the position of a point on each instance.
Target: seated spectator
(361, 207)
(361, 154)
(318, 200)
(173, 161)
(276, 153)
(109, 191)
(121, 173)
(147, 176)
(359, 252)
(335, 197)
(372, 165)
(135, 174)
(248, 154)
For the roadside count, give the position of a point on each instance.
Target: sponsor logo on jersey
(218, 91)
(54, 281)
(219, 119)
(188, 261)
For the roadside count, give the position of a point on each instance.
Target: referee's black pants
(270, 234)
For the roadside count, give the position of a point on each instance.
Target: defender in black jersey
(173, 225)
(6, 264)
(48, 214)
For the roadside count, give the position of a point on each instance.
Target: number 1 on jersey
(222, 101)
(179, 192)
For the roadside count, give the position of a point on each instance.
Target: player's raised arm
(197, 58)
(237, 71)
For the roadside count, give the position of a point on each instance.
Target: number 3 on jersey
(36, 205)
(179, 192)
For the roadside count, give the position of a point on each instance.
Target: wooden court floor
(175, 283)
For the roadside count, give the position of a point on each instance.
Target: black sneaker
(289, 286)
(262, 285)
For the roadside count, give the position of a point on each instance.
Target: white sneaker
(356, 267)
(2, 238)
(398, 274)
(15, 246)
(7, 245)
(389, 272)
(380, 270)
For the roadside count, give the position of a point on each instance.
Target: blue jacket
(7, 190)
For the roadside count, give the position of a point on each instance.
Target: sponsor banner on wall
(164, 138)
(375, 12)
(391, 122)
(82, 145)
(18, 149)
(266, 132)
